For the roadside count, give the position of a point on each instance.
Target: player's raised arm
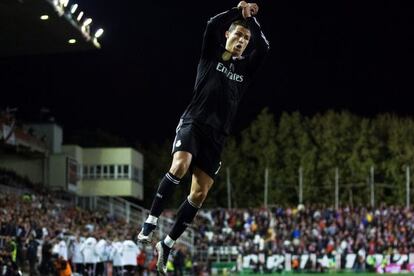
(216, 27)
(260, 44)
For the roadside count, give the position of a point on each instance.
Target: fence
(136, 215)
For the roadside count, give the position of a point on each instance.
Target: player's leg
(200, 185)
(183, 151)
(179, 167)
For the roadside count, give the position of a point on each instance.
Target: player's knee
(179, 167)
(198, 197)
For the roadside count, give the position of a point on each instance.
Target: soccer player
(223, 76)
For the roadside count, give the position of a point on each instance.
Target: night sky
(352, 54)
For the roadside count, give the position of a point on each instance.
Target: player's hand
(254, 8)
(249, 10)
(242, 4)
(246, 12)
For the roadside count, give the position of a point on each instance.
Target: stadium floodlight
(72, 41)
(87, 22)
(73, 8)
(79, 16)
(99, 33)
(44, 17)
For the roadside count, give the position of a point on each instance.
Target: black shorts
(203, 142)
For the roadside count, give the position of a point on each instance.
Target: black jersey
(220, 84)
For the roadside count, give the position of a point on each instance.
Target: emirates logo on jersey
(229, 73)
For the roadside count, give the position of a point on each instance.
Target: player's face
(237, 40)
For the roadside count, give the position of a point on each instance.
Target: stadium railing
(137, 215)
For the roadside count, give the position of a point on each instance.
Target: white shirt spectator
(61, 249)
(45, 232)
(100, 250)
(88, 251)
(108, 250)
(130, 252)
(362, 253)
(209, 235)
(77, 257)
(90, 227)
(116, 253)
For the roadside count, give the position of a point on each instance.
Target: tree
(249, 158)
(288, 160)
(365, 154)
(399, 134)
(335, 134)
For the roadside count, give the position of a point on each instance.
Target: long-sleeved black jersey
(221, 84)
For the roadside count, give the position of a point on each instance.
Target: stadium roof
(23, 32)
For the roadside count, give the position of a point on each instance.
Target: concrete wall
(107, 155)
(110, 188)
(74, 151)
(53, 133)
(57, 171)
(32, 167)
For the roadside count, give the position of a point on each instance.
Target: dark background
(353, 55)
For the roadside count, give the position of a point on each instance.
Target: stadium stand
(39, 232)
(317, 238)
(40, 235)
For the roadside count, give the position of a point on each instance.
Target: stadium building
(35, 151)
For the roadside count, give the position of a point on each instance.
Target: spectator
(100, 251)
(31, 254)
(62, 267)
(130, 253)
(90, 257)
(178, 262)
(116, 257)
(77, 257)
(141, 259)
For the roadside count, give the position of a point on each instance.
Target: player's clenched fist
(242, 4)
(248, 9)
(254, 8)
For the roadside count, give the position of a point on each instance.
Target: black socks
(164, 192)
(185, 216)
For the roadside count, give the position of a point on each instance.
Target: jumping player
(223, 76)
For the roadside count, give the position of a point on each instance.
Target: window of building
(105, 171)
(98, 171)
(126, 169)
(92, 172)
(111, 171)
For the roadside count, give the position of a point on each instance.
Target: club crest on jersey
(229, 73)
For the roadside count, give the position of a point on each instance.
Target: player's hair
(239, 22)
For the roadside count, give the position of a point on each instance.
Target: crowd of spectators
(43, 236)
(47, 236)
(315, 229)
